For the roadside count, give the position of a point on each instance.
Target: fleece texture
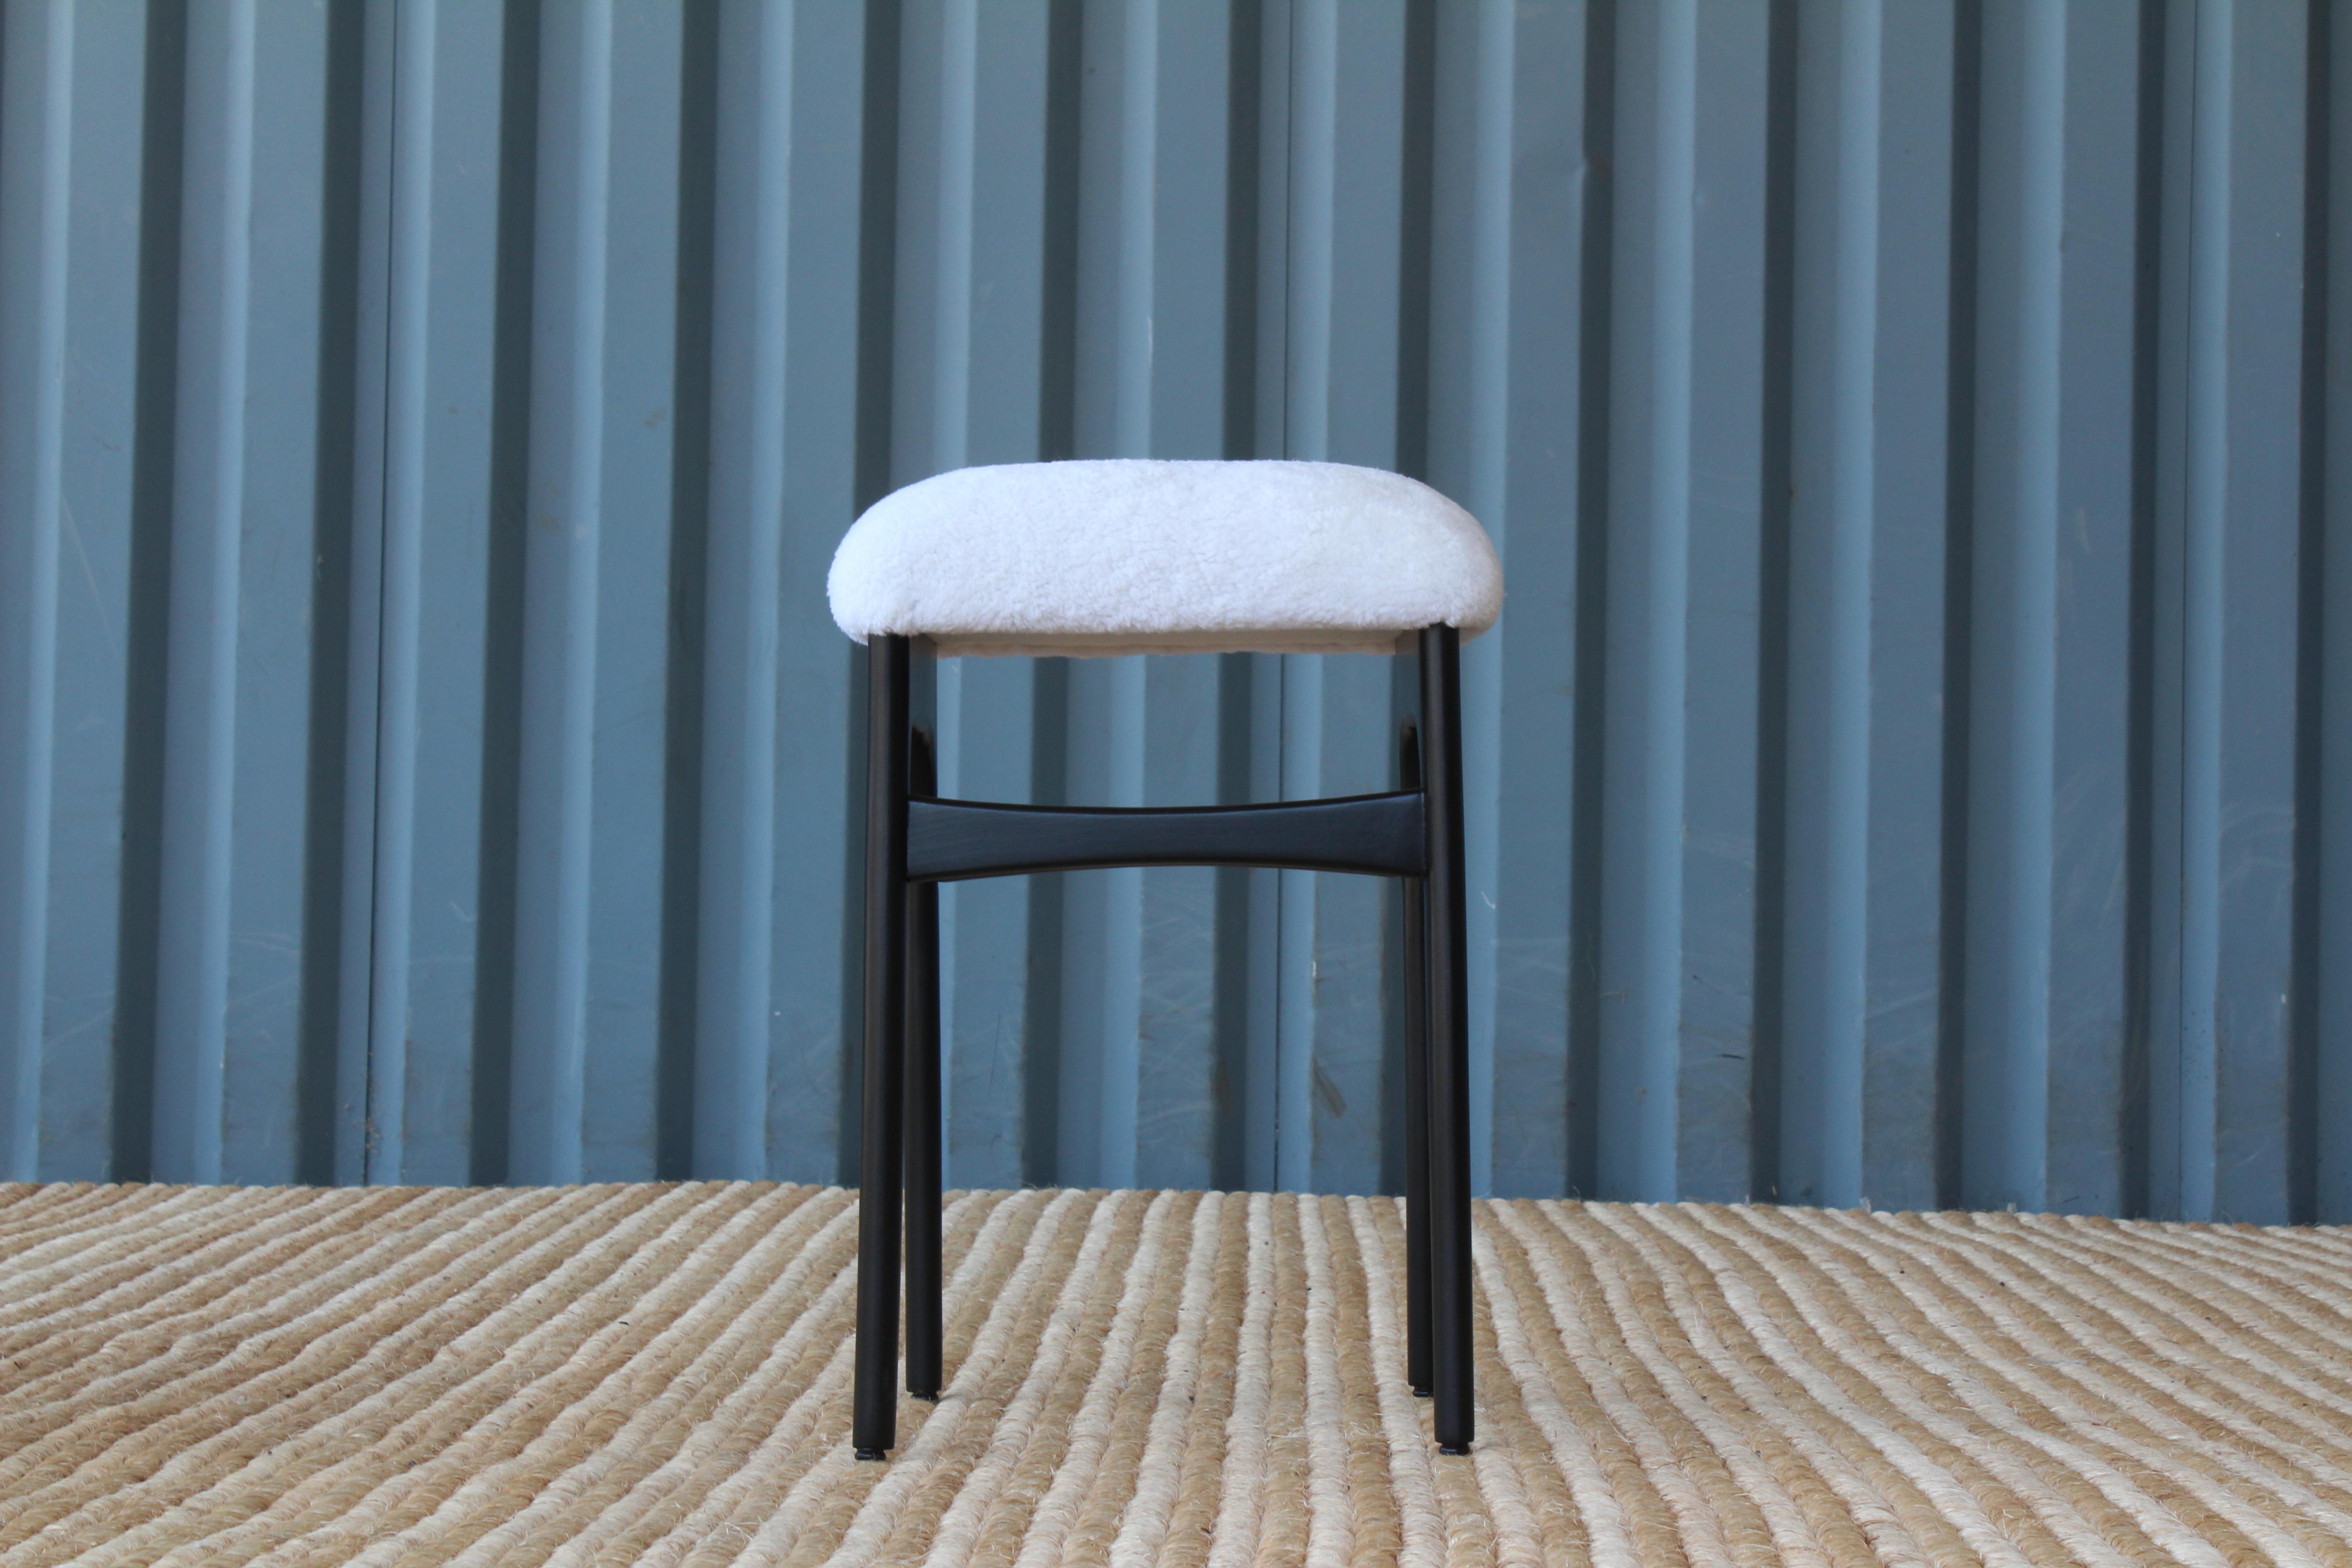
(1150, 556)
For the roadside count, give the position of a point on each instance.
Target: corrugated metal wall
(1916, 765)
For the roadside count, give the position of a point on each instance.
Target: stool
(1136, 556)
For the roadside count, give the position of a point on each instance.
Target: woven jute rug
(662, 1373)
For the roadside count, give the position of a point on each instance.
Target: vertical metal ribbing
(876, 1397)
(556, 843)
(198, 889)
(1449, 1036)
(1182, 231)
(34, 219)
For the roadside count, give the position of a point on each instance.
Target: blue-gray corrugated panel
(1685, 540)
(2048, 641)
(1911, 770)
(1513, 194)
(1862, 905)
(2328, 914)
(71, 150)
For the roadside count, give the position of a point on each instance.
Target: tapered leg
(923, 1331)
(875, 1413)
(1449, 1038)
(1416, 1101)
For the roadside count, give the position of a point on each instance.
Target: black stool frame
(913, 841)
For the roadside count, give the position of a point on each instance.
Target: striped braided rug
(661, 1373)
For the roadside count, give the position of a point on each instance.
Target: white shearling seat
(1151, 556)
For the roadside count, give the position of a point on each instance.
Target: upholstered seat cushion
(1144, 556)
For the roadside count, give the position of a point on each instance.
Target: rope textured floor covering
(661, 1373)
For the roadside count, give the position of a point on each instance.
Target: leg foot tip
(928, 1394)
(1454, 1448)
(1421, 1393)
(873, 1453)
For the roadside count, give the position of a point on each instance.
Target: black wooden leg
(1449, 1038)
(923, 1283)
(1416, 1101)
(875, 1416)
